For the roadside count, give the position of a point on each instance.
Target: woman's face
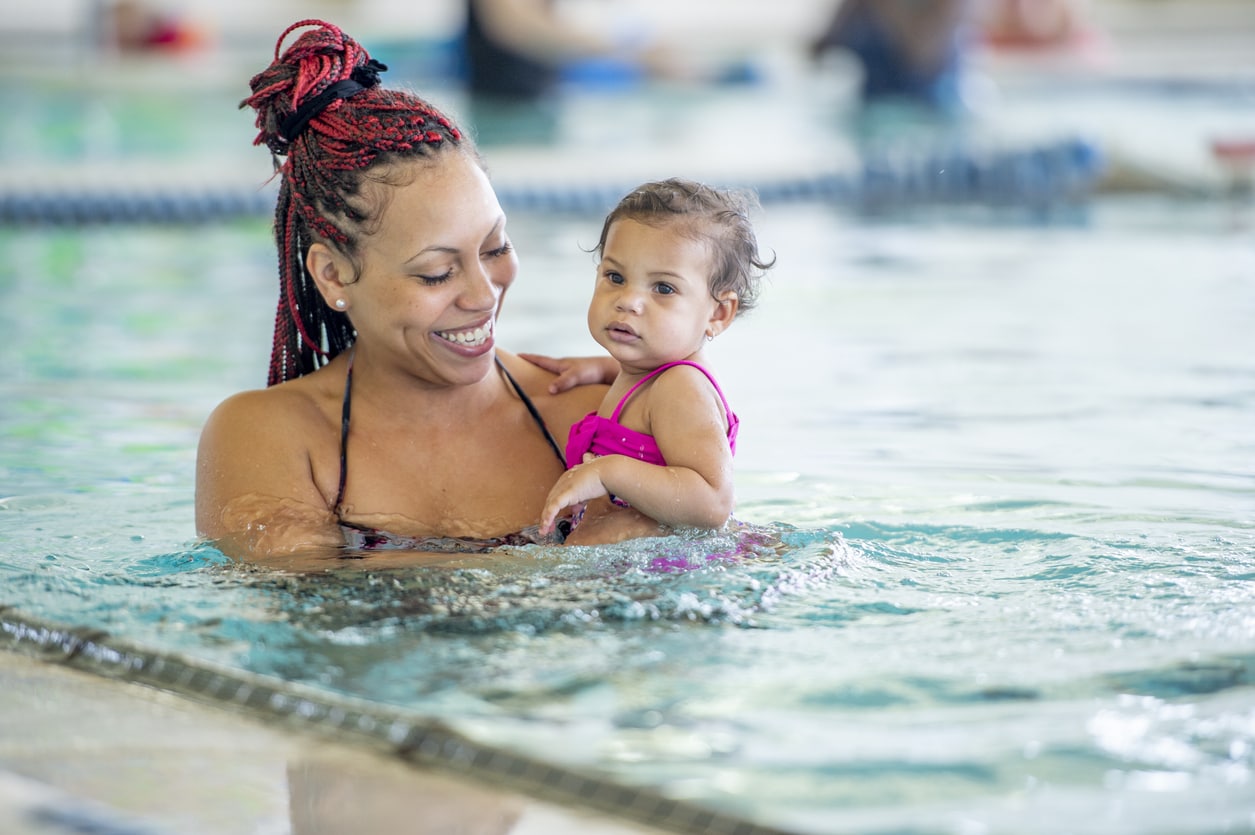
(434, 272)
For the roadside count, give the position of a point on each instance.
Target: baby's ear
(727, 304)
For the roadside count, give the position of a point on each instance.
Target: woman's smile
(472, 338)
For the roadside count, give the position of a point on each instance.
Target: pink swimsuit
(606, 436)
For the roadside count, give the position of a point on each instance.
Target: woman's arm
(604, 523)
(695, 489)
(256, 489)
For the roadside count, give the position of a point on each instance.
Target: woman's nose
(480, 291)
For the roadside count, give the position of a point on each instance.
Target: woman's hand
(576, 371)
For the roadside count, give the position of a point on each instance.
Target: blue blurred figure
(909, 49)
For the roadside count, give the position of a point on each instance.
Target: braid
(321, 175)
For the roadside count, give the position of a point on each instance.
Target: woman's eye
(504, 249)
(436, 279)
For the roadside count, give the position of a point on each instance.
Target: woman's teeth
(471, 338)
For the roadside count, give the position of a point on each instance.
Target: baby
(678, 262)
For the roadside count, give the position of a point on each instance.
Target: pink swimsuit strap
(651, 375)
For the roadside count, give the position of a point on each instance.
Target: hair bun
(317, 59)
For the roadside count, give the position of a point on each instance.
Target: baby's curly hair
(718, 217)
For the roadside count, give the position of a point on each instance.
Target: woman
(391, 418)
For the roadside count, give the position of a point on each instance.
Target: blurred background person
(518, 49)
(1035, 23)
(908, 49)
(136, 26)
(917, 51)
(518, 53)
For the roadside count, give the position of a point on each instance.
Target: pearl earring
(341, 304)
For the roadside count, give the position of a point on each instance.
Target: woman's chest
(476, 479)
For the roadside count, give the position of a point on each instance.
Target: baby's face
(651, 303)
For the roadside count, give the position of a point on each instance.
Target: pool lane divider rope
(414, 739)
(1039, 176)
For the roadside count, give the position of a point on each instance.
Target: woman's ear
(331, 272)
(727, 304)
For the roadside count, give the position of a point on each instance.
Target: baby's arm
(694, 490)
(576, 371)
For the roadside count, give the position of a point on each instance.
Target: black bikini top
(344, 426)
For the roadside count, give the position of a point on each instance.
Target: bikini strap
(531, 408)
(643, 380)
(344, 432)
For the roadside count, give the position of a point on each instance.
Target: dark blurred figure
(519, 49)
(518, 53)
(497, 67)
(908, 49)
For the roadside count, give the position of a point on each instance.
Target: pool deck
(81, 753)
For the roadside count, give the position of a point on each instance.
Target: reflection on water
(328, 796)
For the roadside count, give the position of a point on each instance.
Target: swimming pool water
(1012, 466)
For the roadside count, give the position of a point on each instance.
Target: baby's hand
(574, 487)
(575, 371)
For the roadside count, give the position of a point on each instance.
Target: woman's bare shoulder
(289, 409)
(279, 430)
(530, 376)
(261, 454)
(568, 406)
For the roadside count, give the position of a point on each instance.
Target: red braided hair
(320, 190)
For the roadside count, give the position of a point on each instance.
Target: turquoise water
(1012, 465)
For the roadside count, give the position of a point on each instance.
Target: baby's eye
(613, 277)
(664, 288)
